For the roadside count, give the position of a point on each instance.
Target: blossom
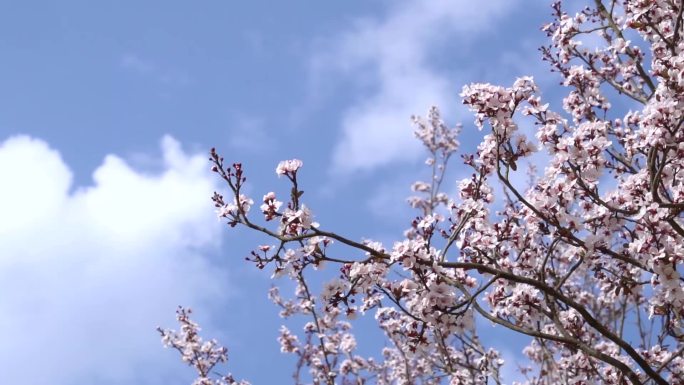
(198, 353)
(288, 167)
(296, 221)
(592, 242)
(233, 209)
(270, 206)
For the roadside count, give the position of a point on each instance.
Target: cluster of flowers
(587, 261)
(201, 355)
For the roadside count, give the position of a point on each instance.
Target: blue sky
(107, 112)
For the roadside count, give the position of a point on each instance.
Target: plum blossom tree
(586, 261)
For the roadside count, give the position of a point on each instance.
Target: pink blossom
(288, 167)
(583, 258)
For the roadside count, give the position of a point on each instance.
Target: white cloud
(394, 53)
(86, 276)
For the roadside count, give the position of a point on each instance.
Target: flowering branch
(587, 261)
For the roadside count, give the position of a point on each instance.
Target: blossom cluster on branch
(586, 261)
(196, 352)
